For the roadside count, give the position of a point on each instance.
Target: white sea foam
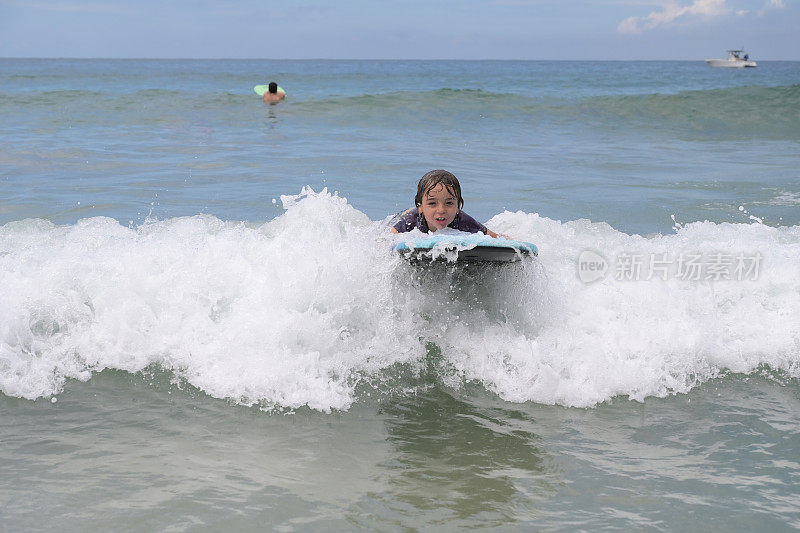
(786, 198)
(300, 310)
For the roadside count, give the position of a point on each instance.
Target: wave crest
(313, 309)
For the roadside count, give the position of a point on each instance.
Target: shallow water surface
(203, 324)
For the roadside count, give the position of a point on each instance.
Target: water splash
(313, 309)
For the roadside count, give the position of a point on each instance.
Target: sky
(401, 29)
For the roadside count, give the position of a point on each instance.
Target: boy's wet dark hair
(273, 87)
(438, 177)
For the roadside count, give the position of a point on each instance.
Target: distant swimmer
(274, 94)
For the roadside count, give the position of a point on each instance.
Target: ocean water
(202, 324)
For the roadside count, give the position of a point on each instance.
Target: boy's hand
(499, 235)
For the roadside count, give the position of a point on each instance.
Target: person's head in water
(273, 87)
(438, 177)
(438, 205)
(439, 198)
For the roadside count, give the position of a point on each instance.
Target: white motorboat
(736, 59)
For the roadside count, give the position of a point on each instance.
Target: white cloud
(671, 11)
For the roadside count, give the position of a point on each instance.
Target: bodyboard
(465, 247)
(261, 89)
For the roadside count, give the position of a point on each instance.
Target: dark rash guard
(414, 219)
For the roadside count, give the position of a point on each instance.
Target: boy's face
(439, 207)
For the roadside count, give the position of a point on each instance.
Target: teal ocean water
(202, 324)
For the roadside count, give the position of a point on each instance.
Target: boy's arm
(494, 235)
